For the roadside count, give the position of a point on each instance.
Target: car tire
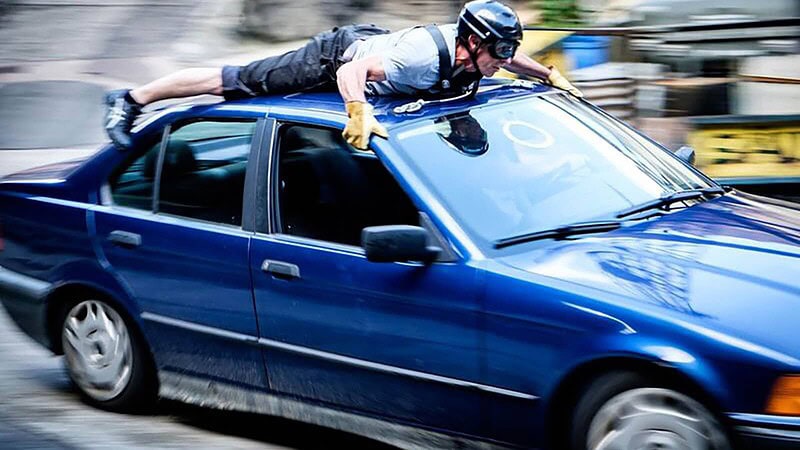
(106, 357)
(624, 410)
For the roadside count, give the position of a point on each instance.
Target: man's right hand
(560, 81)
(362, 125)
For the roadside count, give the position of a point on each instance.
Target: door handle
(280, 269)
(125, 238)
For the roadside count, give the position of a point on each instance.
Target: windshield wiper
(669, 199)
(560, 232)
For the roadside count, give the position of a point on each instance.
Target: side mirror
(398, 243)
(686, 153)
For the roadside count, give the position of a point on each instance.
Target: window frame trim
(255, 151)
(255, 194)
(107, 193)
(267, 221)
(159, 165)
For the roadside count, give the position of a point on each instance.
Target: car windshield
(538, 164)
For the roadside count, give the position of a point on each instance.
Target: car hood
(731, 265)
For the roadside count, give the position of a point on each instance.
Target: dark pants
(311, 67)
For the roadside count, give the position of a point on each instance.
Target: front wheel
(107, 363)
(623, 411)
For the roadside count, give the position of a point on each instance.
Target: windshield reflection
(464, 133)
(544, 162)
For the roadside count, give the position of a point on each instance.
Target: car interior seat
(330, 192)
(213, 194)
(319, 187)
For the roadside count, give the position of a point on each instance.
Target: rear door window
(203, 171)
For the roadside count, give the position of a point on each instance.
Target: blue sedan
(517, 269)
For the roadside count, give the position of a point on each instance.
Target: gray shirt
(410, 59)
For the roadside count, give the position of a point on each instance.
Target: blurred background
(722, 76)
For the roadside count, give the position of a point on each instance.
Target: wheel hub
(654, 419)
(658, 440)
(97, 349)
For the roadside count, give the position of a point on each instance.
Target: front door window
(330, 192)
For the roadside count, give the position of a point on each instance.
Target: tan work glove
(362, 125)
(557, 80)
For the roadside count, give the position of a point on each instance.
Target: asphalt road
(50, 114)
(92, 29)
(39, 409)
(58, 57)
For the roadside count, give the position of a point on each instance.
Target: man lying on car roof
(360, 60)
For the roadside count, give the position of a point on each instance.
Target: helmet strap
(473, 54)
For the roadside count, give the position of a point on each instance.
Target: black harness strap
(450, 85)
(445, 68)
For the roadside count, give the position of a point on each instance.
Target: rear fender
(81, 280)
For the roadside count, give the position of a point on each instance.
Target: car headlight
(785, 396)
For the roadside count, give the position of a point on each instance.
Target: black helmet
(494, 23)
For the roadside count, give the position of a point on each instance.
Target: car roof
(492, 91)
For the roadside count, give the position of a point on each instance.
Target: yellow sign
(747, 149)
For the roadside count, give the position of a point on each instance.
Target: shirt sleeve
(414, 61)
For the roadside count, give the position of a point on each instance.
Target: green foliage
(559, 13)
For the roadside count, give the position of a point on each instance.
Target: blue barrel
(585, 51)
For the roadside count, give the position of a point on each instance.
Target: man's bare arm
(352, 77)
(524, 65)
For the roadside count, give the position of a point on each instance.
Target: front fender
(668, 354)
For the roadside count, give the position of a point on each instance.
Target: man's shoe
(120, 115)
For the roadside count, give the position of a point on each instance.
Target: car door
(398, 340)
(171, 231)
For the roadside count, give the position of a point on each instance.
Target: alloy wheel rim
(98, 349)
(654, 419)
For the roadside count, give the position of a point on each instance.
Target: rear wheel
(623, 411)
(105, 359)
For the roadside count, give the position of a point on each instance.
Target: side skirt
(213, 394)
